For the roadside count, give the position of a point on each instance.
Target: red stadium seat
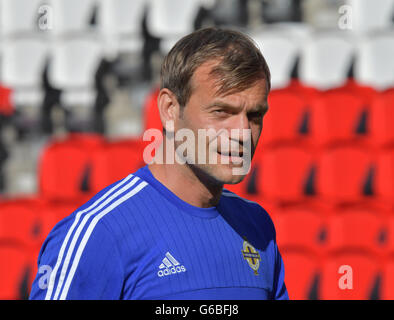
(286, 121)
(65, 167)
(301, 274)
(387, 289)
(286, 174)
(344, 175)
(366, 93)
(17, 272)
(338, 118)
(382, 119)
(357, 229)
(247, 188)
(349, 276)
(115, 161)
(52, 212)
(6, 107)
(389, 222)
(20, 223)
(296, 87)
(300, 228)
(384, 182)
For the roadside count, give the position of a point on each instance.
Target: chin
(225, 175)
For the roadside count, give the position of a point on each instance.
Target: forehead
(204, 84)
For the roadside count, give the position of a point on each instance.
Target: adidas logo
(170, 266)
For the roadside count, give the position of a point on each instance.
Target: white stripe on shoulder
(52, 278)
(234, 195)
(89, 231)
(79, 230)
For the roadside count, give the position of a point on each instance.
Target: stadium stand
(286, 175)
(164, 21)
(115, 160)
(301, 228)
(342, 180)
(6, 105)
(384, 176)
(325, 60)
(373, 66)
(22, 66)
(280, 52)
(369, 17)
(382, 120)
(69, 161)
(357, 229)
(17, 272)
(301, 282)
(287, 122)
(74, 61)
(67, 20)
(120, 23)
(21, 223)
(387, 290)
(18, 17)
(338, 118)
(389, 224)
(350, 275)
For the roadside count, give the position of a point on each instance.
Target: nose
(241, 124)
(237, 132)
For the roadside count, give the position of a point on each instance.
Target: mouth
(232, 156)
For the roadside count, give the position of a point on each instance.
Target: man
(170, 230)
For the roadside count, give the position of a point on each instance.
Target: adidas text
(173, 270)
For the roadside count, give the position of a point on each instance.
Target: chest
(190, 256)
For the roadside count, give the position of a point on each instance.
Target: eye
(256, 115)
(219, 112)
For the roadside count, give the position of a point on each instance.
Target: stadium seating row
(344, 175)
(85, 164)
(341, 175)
(24, 225)
(313, 119)
(353, 228)
(66, 18)
(326, 119)
(117, 17)
(74, 62)
(347, 275)
(355, 238)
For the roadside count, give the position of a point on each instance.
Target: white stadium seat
(71, 16)
(172, 19)
(281, 54)
(299, 31)
(374, 64)
(73, 67)
(120, 22)
(325, 60)
(22, 66)
(367, 15)
(19, 16)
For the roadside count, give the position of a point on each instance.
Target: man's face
(223, 113)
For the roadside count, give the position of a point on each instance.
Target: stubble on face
(221, 113)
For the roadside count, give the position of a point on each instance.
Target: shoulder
(108, 206)
(251, 209)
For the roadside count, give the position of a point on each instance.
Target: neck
(188, 183)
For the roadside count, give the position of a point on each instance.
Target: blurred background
(78, 87)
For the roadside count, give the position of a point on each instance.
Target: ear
(168, 108)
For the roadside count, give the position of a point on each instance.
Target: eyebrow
(259, 107)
